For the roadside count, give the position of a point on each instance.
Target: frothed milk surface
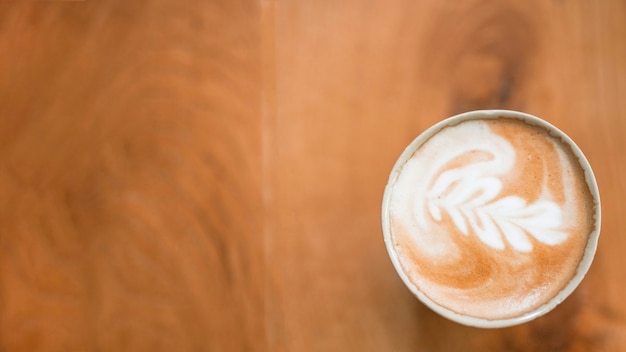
(489, 218)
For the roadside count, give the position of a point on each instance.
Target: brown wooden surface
(207, 175)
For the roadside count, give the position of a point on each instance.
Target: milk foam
(486, 220)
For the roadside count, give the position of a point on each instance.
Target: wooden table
(207, 175)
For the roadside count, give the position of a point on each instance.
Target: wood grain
(207, 175)
(131, 194)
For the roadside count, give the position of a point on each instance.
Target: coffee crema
(490, 218)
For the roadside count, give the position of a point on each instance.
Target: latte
(489, 216)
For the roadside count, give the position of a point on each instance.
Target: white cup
(583, 265)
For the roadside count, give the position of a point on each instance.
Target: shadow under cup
(491, 217)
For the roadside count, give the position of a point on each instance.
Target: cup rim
(590, 247)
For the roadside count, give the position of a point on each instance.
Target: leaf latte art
(489, 218)
(471, 202)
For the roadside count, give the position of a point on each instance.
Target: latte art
(469, 195)
(489, 218)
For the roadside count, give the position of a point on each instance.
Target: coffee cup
(491, 218)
